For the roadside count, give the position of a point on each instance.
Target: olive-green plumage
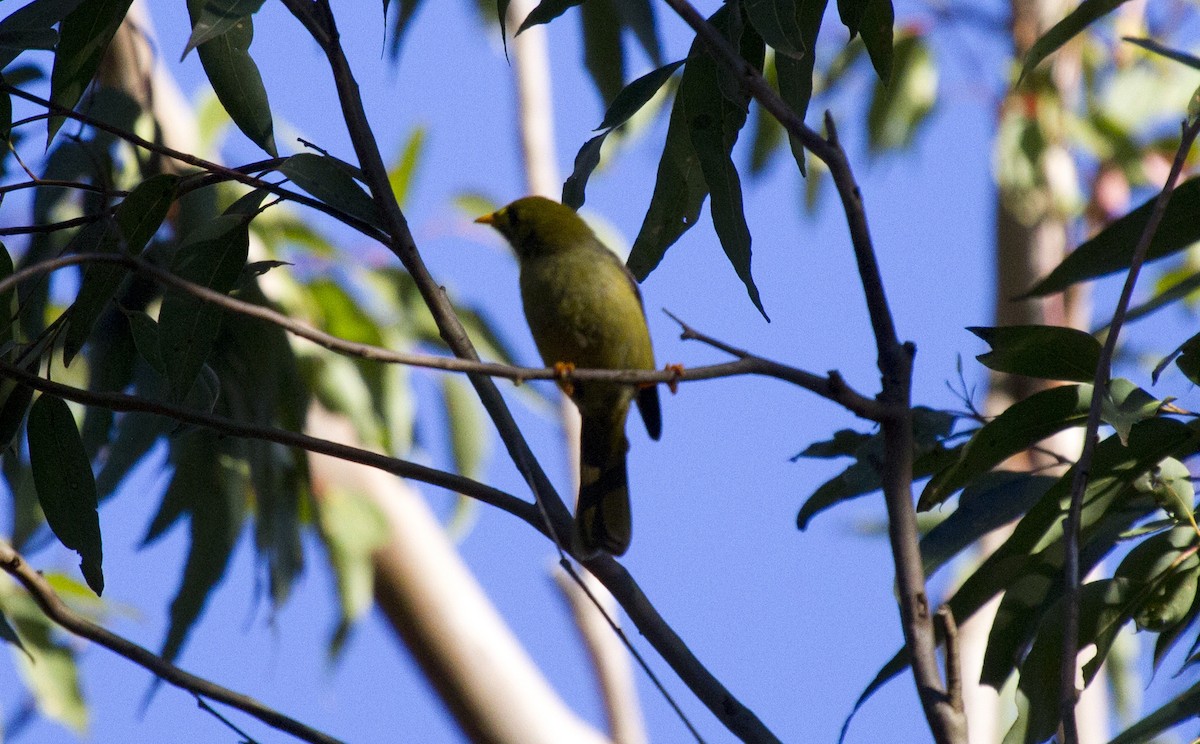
(584, 309)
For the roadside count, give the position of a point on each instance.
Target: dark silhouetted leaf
(83, 37)
(212, 256)
(404, 17)
(603, 54)
(1153, 46)
(1047, 352)
(637, 94)
(235, 79)
(327, 180)
(876, 30)
(777, 23)
(1060, 33)
(1019, 427)
(1111, 250)
(546, 11)
(65, 485)
(575, 187)
(32, 27)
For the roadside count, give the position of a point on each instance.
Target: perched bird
(584, 309)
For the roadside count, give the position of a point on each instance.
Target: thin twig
(1071, 525)
(954, 686)
(57, 610)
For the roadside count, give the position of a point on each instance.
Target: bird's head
(536, 226)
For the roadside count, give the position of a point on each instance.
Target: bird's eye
(514, 218)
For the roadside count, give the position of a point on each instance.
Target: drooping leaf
(212, 256)
(49, 669)
(777, 22)
(327, 180)
(1111, 249)
(83, 37)
(32, 27)
(138, 217)
(709, 112)
(795, 74)
(875, 27)
(208, 487)
(400, 175)
(1047, 352)
(575, 187)
(236, 80)
(65, 485)
(603, 53)
(899, 107)
(638, 17)
(1104, 607)
(353, 528)
(1060, 33)
(213, 18)
(466, 423)
(408, 11)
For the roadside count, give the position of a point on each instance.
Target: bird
(585, 311)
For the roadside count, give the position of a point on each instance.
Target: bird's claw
(676, 371)
(562, 374)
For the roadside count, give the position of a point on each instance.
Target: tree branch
(57, 610)
(1079, 481)
(895, 365)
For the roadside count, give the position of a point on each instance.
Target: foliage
(117, 205)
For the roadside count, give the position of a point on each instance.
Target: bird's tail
(602, 519)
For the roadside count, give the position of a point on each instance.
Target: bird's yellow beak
(487, 219)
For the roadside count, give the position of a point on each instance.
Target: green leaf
(1110, 505)
(1019, 427)
(795, 74)
(1111, 250)
(637, 94)
(16, 399)
(83, 37)
(213, 18)
(1153, 46)
(603, 54)
(1060, 33)
(32, 27)
(1170, 483)
(327, 180)
(49, 670)
(138, 218)
(65, 485)
(776, 21)
(1125, 404)
(353, 528)
(212, 256)
(236, 80)
(1047, 352)
(875, 27)
(988, 502)
(710, 109)
(1104, 607)
(546, 11)
(400, 177)
(7, 308)
(208, 486)
(467, 425)
(899, 108)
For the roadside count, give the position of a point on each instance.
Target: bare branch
(57, 610)
(1071, 578)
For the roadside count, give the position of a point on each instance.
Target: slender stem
(57, 610)
(1071, 525)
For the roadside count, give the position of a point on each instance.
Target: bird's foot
(562, 374)
(676, 371)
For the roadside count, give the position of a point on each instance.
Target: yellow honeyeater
(584, 309)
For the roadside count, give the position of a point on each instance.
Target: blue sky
(795, 624)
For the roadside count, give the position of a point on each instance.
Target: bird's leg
(562, 374)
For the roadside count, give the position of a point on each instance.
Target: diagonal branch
(57, 610)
